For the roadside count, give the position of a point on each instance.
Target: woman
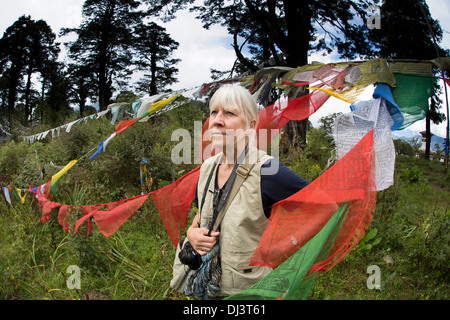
(232, 124)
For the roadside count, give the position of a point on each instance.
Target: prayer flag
(19, 194)
(297, 219)
(291, 280)
(411, 95)
(58, 175)
(46, 205)
(159, 104)
(108, 222)
(382, 90)
(102, 146)
(173, 203)
(7, 195)
(125, 124)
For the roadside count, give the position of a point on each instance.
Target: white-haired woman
(232, 123)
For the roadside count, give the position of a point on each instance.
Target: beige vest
(241, 228)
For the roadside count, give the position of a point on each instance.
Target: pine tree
(104, 42)
(153, 51)
(27, 47)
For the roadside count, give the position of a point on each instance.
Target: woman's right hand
(200, 241)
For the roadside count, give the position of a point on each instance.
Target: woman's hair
(238, 97)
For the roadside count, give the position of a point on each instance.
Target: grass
(411, 225)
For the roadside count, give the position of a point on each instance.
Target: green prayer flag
(290, 280)
(411, 95)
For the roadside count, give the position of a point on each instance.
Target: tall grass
(410, 225)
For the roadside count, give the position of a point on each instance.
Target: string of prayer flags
(68, 127)
(125, 124)
(121, 126)
(108, 221)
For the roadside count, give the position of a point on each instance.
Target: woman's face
(227, 126)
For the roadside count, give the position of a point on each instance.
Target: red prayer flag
(173, 203)
(88, 213)
(46, 205)
(125, 124)
(110, 221)
(297, 219)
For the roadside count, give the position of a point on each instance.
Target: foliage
(410, 224)
(27, 47)
(269, 28)
(154, 48)
(104, 41)
(404, 148)
(412, 175)
(394, 41)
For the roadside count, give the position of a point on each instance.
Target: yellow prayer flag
(64, 170)
(159, 104)
(19, 193)
(349, 96)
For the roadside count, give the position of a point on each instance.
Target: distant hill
(408, 135)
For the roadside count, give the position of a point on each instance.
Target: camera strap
(239, 173)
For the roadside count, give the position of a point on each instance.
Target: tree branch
(238, 49)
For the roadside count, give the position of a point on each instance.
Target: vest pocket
(237, 275)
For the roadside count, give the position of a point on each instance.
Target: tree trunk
(102, 85)
(428, 136)
(27, 99)
(298, 20)
(12, 92)
(153, 88)
(42, 97)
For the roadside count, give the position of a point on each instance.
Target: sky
(200, 49)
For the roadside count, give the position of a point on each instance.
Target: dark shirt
(277, 186)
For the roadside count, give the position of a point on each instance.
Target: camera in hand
(190, 257)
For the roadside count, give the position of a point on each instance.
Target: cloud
(57, 14)
(199, 50)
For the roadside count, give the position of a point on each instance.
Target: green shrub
(412, 175)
